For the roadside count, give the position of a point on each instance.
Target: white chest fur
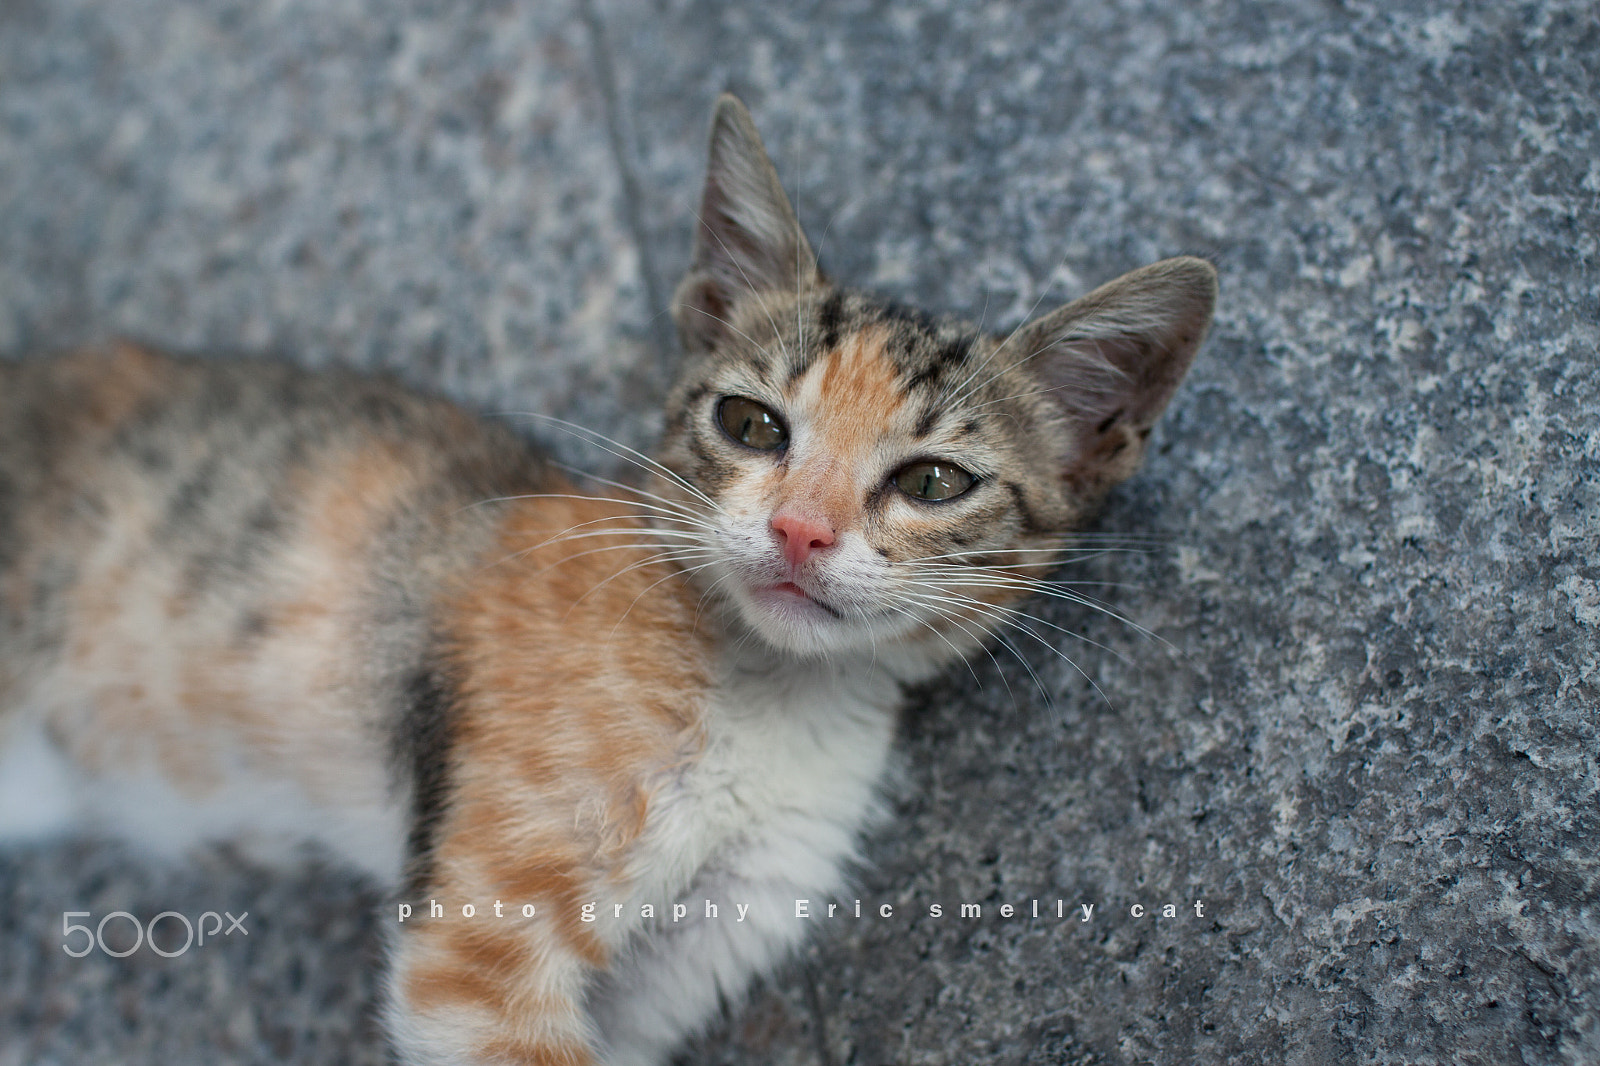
(789, 773)
(770, 812)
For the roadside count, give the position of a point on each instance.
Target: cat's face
(862, 462)
(865, 476)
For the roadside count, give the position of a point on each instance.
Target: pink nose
(799, 537)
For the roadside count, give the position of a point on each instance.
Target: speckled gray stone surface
(1368, 742)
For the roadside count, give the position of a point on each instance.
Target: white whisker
(1014, 618)
(959, 653)
(636, 546)
(1052, 590)
(660, 513)
(1075, 554)
(677, 572)
(611, 446)
(1013, 613)
(661, 557)
(701, 603)
(757, 345)
(758, 293)
(961, 390)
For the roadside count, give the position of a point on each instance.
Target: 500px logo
(141, 933)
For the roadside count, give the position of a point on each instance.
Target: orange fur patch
(449, 983)
(512, 1051)
(857, 393)
(860, 392)
(580, 677)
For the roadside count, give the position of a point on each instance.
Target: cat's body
(247, 601)
(253, 598)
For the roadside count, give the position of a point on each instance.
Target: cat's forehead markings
(830, 320)
(930, 357)
(857, 386)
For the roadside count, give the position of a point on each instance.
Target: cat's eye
(929, 480)
(751, 424)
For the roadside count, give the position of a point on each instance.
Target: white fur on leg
(38, 786)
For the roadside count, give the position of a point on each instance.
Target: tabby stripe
(901, 313)
(423, 746)
(950, 354)
(1030, 522)
(830, 318)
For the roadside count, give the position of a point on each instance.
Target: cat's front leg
(673, 978)
(479, 989)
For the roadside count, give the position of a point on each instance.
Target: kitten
(249, 601)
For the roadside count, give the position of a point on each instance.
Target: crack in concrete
(619, 136)
(819, 1019)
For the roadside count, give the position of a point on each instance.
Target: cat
(243, 600)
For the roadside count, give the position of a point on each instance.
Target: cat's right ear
(1111, 360)
(747, 238)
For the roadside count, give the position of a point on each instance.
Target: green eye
(933, 481)
(751, 424)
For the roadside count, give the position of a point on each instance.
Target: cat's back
(202, 436)
(218, 486)
(213, 572)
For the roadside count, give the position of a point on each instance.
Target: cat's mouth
(786, 596)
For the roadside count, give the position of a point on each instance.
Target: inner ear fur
(747, 239)
(1111, 361)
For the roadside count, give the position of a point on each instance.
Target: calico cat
(248, 601)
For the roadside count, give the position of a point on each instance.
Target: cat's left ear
(747, 239)
(1113, 359)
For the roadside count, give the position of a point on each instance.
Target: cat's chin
(794, 623)
(790, 620)
(792, 604)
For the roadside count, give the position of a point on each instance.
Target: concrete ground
(1366, 735)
